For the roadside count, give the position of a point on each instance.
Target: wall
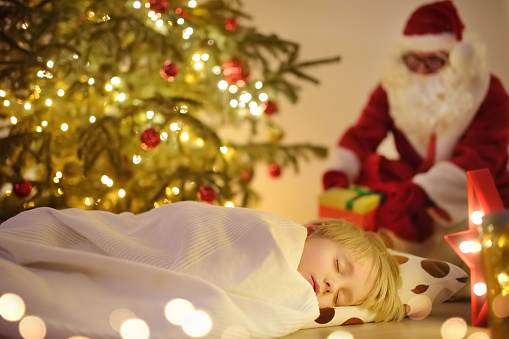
(362, 33)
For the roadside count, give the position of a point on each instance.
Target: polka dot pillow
(425, 283)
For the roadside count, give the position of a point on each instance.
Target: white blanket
(73, 268)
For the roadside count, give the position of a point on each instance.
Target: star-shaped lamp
(483, 198)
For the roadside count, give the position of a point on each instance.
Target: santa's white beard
(424, 104)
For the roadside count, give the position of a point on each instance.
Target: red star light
(483, 198)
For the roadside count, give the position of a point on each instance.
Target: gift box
(356, 205)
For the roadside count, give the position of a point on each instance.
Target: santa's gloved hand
(404, 210)
(334, 179)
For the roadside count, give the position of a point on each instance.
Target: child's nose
(329, 287)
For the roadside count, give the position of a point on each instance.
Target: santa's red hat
(433, 27)
(436, 27)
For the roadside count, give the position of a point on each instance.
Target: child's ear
(311, 228)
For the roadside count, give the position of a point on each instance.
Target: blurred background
(362, 32)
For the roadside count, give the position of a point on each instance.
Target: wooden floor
(428, 328)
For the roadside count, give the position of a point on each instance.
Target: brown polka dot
(407, 309)
(442, 296)
(353, 321)
(326, 315)
(435, 268)
(420, 289)
(400, 259)
(462, 279)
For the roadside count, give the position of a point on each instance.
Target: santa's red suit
(443, 125)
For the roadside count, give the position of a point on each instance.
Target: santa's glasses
(429, 63)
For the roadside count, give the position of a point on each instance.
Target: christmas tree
(127, 105)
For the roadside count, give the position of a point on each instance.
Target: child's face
(336, 278)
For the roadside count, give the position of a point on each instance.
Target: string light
(163, 136)
(91, 119)
(134, 329)
(32, 327)
(245, 97)
(49, 102)
(234, 103)
(470, 246)
(91, 81)
(233, 89)
(121, 193)
(2, 93)
(6, 103)
(120, 97)
(263, 97)
(136, 159)
(229, 204)
(64, 127)
(192, 4)
(184, 136)
(454, 328)
(27, 106)
(222, 85)
(115, 81)
(44, 123)
(50, 64)
(258, 85)
(217, 70)
(137, 5)
(177, 309)
(120, 316)
(197, 324)
(340, 335)
(476, 217)
(479, 289)
(175, 190)
(174, 126)
(14, 121)
(12, 307)
(223, 149)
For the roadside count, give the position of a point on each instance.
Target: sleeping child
(242, 271)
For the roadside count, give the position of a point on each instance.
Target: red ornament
(169, 70)
(234, 72)
(207, 194)
(230, 24)
(268, 107)
(183, 14)
(274, 170)
(246, 174)
(22, 188)
(150, 138)
(158, 6)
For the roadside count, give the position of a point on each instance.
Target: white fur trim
(428, 42)
(462, 55)
(446, 184)
(346, 161)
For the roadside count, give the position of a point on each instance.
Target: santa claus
(447, 115)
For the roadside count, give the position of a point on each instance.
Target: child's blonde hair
(383, 300)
